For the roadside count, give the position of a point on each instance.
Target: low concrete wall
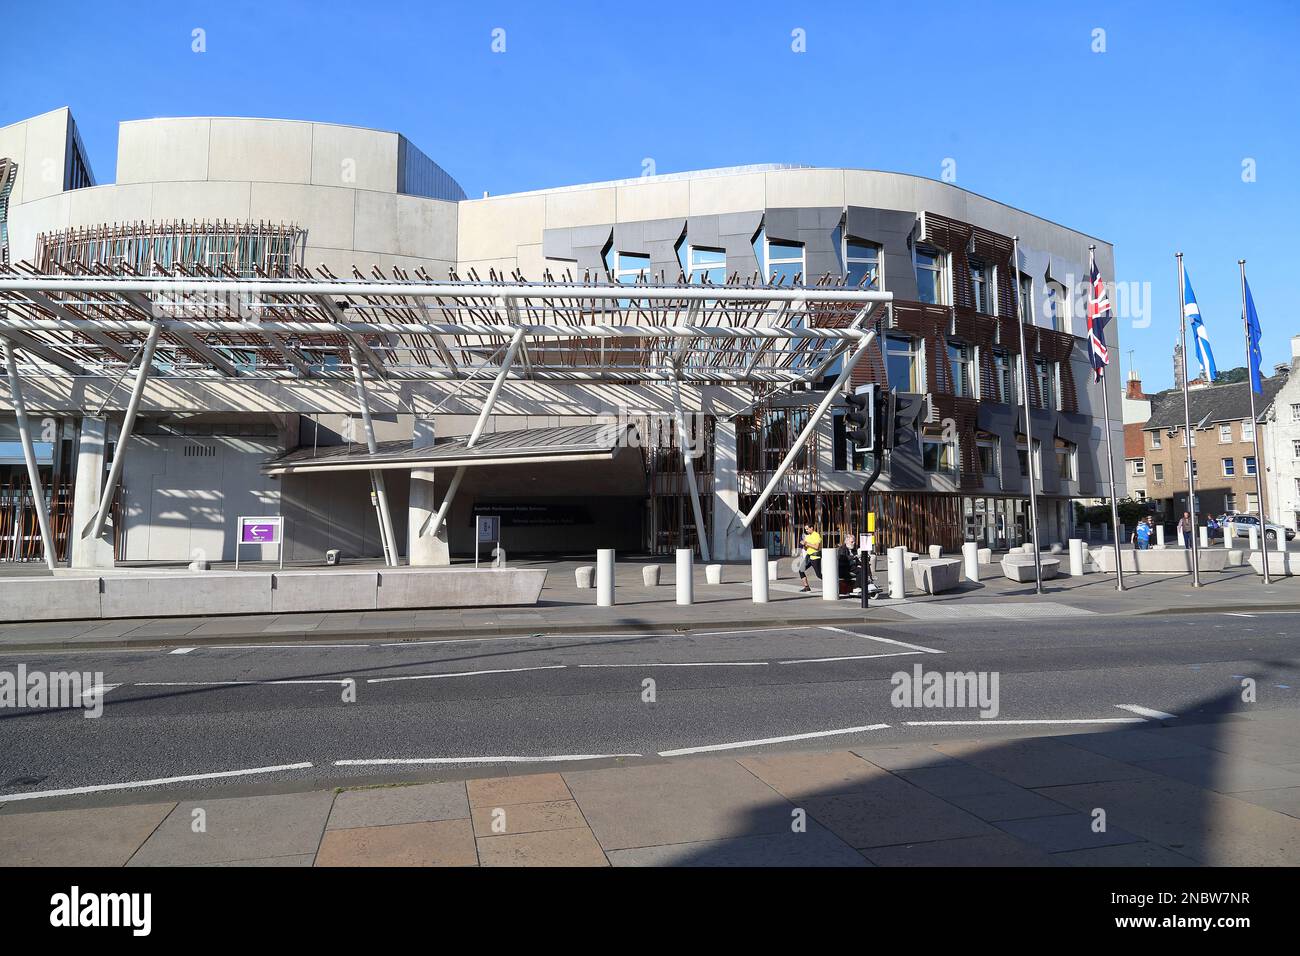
(1167, 561)
(121, 594)
(1279, 563)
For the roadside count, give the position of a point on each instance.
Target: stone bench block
(935, 575)
(713, 573)
(1020, 567)
(650, 575)
(585, 576)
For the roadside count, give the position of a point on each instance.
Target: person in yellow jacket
(812, 555)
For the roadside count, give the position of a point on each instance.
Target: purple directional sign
(259, 530)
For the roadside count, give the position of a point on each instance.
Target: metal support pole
(700, 534)
(1187, 425)
(813, 421)
(96, 526)
(1029, 431)
(1254, 431)
(29, 454)
(434, 523)
(388, 540)
(1110, 465)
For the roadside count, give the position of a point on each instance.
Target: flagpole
(1187, 427)
(1110, 455)
(1029, 431)
(1254, 425)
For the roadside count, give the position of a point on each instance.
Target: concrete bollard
(830, 574)
(713, 573)
(1160, 536)
(605, 577)
(897, 569)
(758, 571)
(585, 577)
(936, 551)
(1076, 558)
(774, 570)
(1281, 544)
(986, 555)
(650, 575)
(1205, 539)
(1229, 532)
(1254, 539)
(970, 554)
(685, 576)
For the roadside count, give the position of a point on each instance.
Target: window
(1225, 434)
(628, 267)
(937, 455)
(1295, 411)
(930, 286)
(1247, 430)
(1046, 375)
(1027, 298)
(1158, 472)
(706, 265)
(1004, 377)
(982, 285)
(1295, 449)
(1229, 467)
(1196, 470)
(862, 264)
(1230, 502)
(1056, 310)
(1184, 438)
(903, 363)
(1250, 466)
(1065, 460)
(1252, 502)
(1139, 466)
(986, 448)
(1024, 459)
(784, 262)
(1155, 439)
(962, 362)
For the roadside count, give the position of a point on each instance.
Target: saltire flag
(1252, 341)
(1201, 338)
(1098, 316)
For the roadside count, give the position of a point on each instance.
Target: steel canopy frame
(305, 328)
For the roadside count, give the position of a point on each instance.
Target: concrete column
(428, 549)
(897, 558)
(1076, 558)
(731, 541)
(1160, 536)
(96, 552)
(758, 571)
(830, 574)
(1254, 539)
(1205, 539)
(1281, 543)
(605, 577)
(685, 575)
(970, 553)
(1229, 532)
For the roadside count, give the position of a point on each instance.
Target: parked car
(1244, 522)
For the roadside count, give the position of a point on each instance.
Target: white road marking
(883, 640)
(753, 630)
(99, 690)
(855, 657)
(181, 650)
(72, 791)
(1237, 614)
(1147, 712)
(376, 762)
(279, 647)
(976, 723)
(235, 683)
(769, 740)
(685, 664)
(506, 670)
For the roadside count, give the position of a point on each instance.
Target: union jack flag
(1098, 316)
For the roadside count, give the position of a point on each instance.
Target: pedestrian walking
(1185, 529)
(1142, 535)
(811, 543)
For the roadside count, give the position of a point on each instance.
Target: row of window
(782, 261)
(905, 370)
(1247, 433)
(1228, 466)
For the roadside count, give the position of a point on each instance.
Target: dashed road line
(160, 781)
(504, 670)
(740, 744)
(882, 640)
(1147, 712)
(979, 723)
(405, 761)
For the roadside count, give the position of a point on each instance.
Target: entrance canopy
(209, 326)
(579, 443)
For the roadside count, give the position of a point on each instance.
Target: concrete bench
(585, 576)
(1020, 567)
(934, 575)
(650, 575)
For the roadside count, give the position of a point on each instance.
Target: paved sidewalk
(728, 605)
(1223, 793)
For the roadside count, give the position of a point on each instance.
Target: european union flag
(1252, 341)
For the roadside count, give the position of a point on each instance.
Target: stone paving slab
(573, 847)
(817, 847)
(441, 843)
(994, 849)
(94, 837)
(384, 806)
(510, 791)
(1060, 832)
(527, 818)
(239, 828)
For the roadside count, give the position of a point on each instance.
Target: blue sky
(1141, 145)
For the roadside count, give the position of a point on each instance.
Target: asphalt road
(451, 709)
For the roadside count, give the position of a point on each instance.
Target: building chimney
(1134, 389)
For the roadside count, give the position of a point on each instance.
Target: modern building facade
(1280, 441)
(222, 434)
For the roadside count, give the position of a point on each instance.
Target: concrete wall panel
(273, 151)
(163, 150)
(354, 158)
